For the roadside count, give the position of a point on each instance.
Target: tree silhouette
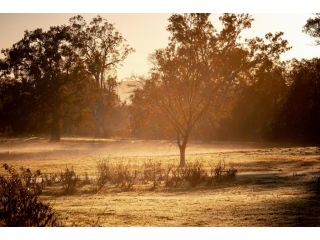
(103, 49)
(47, 60)
(300, 115)
(312, 27)
(64, 75)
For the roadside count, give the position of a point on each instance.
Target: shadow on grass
(300, 212)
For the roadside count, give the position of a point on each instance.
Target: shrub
(220, 173)
(219, 169)
(19, 200)
(153, 172)
(173, 177)
(86, 179)
(122, 176)
(69, 181)
(49, 179)
(195, 174)
(103, 174)
(231, 173)
(119, 174)
(192, 174)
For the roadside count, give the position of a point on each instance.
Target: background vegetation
(205, 85)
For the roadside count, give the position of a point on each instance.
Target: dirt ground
(273, 186)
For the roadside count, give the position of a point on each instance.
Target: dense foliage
(263, 97)
(62, 79)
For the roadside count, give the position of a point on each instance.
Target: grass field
(272, 188)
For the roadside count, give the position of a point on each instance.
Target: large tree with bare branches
(198, 69)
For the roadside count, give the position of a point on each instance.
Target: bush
(103, 174)
(119, 174)
(220, 173)
(122, 176)
(69, 181)
(49, 179)
(173, 177)
(219, 169)
(86, 179)
(193, 174)
(231, 173)
(19, 200)
(153, 172)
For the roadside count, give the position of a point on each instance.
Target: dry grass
(271, 188)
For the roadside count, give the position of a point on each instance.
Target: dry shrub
(123, 176)
(152, 171)
(19, 200)
(103, 174)
(50, 179)
(118, 174)
(192, 174)
(69, 180)
(221, 173)
(86, 179)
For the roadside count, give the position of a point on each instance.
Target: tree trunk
(55, 126)
(182, 149)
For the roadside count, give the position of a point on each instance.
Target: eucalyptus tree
(48, 61)
(103, 49)
(197, 70)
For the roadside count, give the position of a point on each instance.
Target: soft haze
(147, 32)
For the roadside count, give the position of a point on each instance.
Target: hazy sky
(147, 32)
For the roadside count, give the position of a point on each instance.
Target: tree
(66, 74)
(48, 60)
(103, 49)
(261, 97)
(146, 121)
(197, 70)
(300, 115)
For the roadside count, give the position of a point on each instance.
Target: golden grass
(268, 191)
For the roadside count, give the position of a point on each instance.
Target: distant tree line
(207, 84)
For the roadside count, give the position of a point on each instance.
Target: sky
(146, 32)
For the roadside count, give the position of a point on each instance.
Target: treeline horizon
(205, 85)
